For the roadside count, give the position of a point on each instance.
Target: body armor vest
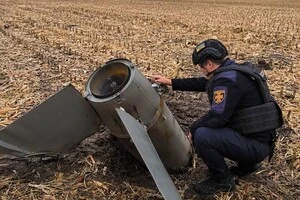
(264, 117)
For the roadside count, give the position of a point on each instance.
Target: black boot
(243, 170)
(216, 183)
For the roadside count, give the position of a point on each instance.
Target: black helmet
(209, 48)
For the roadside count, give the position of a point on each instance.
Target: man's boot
(216, 183)
(243, 170)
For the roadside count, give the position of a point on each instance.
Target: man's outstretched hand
(161, 79)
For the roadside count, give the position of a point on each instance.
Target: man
(215, 135)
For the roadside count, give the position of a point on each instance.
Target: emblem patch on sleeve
(219, 96)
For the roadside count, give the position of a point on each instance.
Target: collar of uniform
(226, 62)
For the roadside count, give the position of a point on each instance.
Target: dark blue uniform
(231, 90)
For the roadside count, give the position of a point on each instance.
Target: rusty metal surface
(56, 125)
(147, 151)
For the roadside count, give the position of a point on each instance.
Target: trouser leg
(212, 145)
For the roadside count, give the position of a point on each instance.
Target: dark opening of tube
(109, 79)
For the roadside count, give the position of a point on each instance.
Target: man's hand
(161, 79)
(189, 137)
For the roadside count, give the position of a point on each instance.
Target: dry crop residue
(45, 45)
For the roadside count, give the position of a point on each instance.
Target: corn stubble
(46, 45)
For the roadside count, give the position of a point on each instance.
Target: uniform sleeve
(226, 95)
(190, 84)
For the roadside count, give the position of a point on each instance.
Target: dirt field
(45, 45)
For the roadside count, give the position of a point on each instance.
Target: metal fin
(56, 125)
(148, 152)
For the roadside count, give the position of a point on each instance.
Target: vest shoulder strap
(254, 72)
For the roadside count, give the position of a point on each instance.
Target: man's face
(206, 67)
(203, 71)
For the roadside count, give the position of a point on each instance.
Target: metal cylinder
(118, 83)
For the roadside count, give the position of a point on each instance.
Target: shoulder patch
(219, 96)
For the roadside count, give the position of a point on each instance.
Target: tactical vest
(264, 117)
